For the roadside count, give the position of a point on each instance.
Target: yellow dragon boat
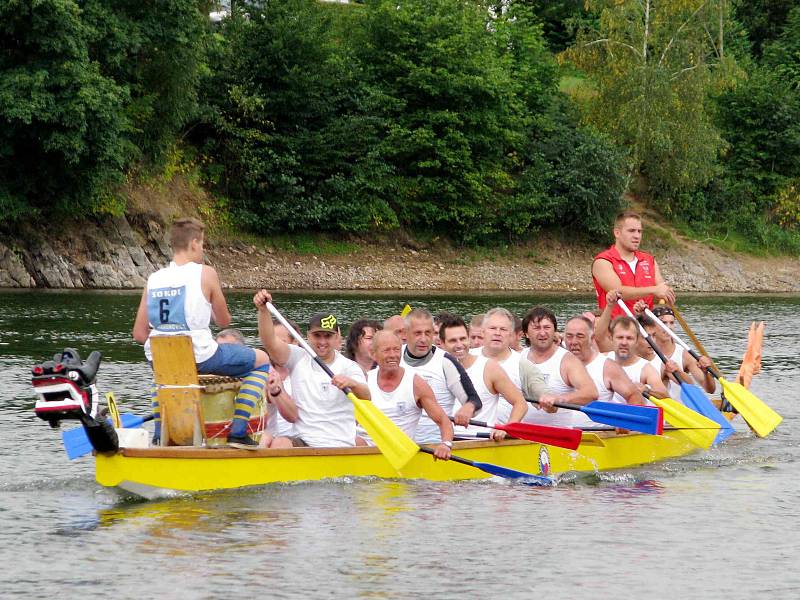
(155, 472)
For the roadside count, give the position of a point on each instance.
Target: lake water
(716, 524)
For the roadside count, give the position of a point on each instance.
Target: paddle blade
(693, 397)
(700, 430)
(646, 419)
(395, 445)
(758, 415)
(544, 434)
(525, 478)
(77, 444)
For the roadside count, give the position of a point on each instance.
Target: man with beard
(486, 374)
(565, 376)
(441, 371)
(402, 395)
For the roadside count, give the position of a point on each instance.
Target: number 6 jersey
(176, 305)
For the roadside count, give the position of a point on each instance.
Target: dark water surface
(717, 524)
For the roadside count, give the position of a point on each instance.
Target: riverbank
(119, 253)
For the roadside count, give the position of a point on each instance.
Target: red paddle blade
(544, 434)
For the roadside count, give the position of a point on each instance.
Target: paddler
(623, 267)
(182, 299)
(325, 415)
(499, 334)
(487, 375)
(679, 359)
(396, 324)
(476, 331)
(612, 383)
(402, 395)
(440, 370)
(565, 376)
(621, 341)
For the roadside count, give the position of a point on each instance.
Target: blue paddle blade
(626, 416)
(525, 478)
(693, 397)
(77, 444)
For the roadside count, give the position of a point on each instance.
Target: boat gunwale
(228, 453)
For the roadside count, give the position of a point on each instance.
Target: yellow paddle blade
(760, 417)
(700, 430)
(405, 311)
(395, 445)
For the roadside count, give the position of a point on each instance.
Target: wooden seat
(181, 409)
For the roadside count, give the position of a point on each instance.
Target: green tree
(62, 122)
(654, 65)
(763, 19)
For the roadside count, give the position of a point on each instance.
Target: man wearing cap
(625, 268)
(325, 415)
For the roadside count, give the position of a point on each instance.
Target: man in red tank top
(625, 268)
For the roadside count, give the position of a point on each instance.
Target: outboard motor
(66, 387)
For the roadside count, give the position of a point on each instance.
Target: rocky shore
(119, 253)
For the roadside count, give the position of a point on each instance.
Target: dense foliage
(89, 89)
(435, 115)
(443, 116)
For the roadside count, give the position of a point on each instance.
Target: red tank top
(645, 276)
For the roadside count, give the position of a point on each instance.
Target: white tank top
(176, 306)
(488, 411)
(433, 374)
(551, 371)
(634, 372)
(511, 366)
(595, 369)
(399, 404)
(674, 388)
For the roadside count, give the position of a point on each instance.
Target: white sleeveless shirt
(634, 372)
(511, 366)
(176, 306)
(399, 404)
(490, 401)
(433, 374)
(674, 387)
(551, 371)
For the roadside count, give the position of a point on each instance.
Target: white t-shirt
(325, 415)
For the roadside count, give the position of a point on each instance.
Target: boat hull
(153, 472)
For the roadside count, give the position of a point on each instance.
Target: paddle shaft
(303, 344)
(565, 405)
(678, 340)
(690, 333)
(679, 377)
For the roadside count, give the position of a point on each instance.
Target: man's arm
(603, 271)
(280, 398)
(141, 326)
(460, 385)
(619, 382)
(652, 378)
(209, 281)
(601, 333)
(702, 378)
(277, 349)
(426, 400)
(575, 375)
